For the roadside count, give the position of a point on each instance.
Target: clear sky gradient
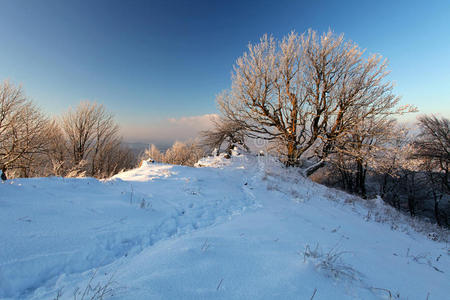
(149, 61)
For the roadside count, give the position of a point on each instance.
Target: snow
(243, 228)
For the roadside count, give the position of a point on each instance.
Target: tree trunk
(384, 185)
(4, 174)
(436, 208)
(312, 169)
(292, 154)
(411, 197)
(360, 179)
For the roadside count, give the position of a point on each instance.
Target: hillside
(244, 228)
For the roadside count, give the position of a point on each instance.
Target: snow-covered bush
(94, 289)
(186, 154)
(152, 153)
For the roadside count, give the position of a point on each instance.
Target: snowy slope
(244, 228)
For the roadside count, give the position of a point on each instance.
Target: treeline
(322, 104)
(82, 142)
(409, 170)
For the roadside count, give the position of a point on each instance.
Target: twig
(205, 246)
(131, 194)
(386, 290)
(220, 283)
(58, 295)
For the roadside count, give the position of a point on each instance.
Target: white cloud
(169, 130)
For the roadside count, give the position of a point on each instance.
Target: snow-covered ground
(244, 228)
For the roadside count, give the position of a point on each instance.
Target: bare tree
(356, 152)
(78, 126)
(392, 161)
(57, 156)
(307, 90)
(33, 162)
(22, 129)
(115, 158)
(86, 143)
(432, 146)
(106, 137)
(92, 138)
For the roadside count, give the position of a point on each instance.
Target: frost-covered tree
(225, 132)
(78, 126)
(85, 142)
(307, 91)
(115, 158)
(153, 153)
(107, 140)
(56, 159)
(92, 139)
(22, 130)
(356, 152)
(400, 172)
(433, 146)
(391, 160)
(186, 154)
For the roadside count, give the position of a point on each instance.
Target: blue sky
(149, 61)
